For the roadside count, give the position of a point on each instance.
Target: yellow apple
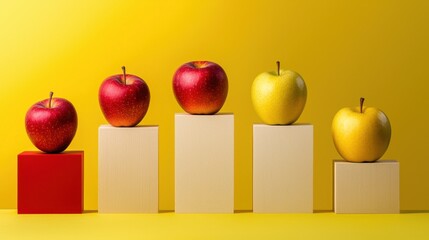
(279, 97)
(361, 134)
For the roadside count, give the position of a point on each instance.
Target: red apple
(124, 99)
(200, 87)
(51, 124)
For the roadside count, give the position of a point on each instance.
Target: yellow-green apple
(200, 87)
(124, 99)
(51, 124)
(279, 97)
(361, 134)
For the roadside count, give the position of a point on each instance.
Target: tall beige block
(204, 163)
(128, 169)
(366, 187)
(282, 168)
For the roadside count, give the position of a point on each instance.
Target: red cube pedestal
(50, 183)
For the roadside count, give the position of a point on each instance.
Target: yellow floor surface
(323, 225)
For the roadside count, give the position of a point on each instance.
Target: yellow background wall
(343, 50)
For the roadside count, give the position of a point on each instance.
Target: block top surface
(107, 126)
(32, 153)
(295, 125)
(379, 162)
(204, 115)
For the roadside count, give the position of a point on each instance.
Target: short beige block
(366, 187)
(128, 169)
(204, 163)
(282, 168)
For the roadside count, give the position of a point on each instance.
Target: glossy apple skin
(200, 87)
(51, 129)
(361, 137)
(124, 104)
(279, 99)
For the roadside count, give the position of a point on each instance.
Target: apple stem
(278, 68)
(50, 99)
(361, 103)
(125, 75)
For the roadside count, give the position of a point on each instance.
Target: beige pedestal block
(128, 169)
(204, 163)
(366, 187)
(282, 168)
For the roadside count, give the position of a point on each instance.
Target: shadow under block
(282, 168)
(128, 169)
(50, 183)
(204, 163)
(366, 187)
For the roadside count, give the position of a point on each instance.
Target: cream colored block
(128, 169)
(204, 163)
(366, 187)
(282, 168)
